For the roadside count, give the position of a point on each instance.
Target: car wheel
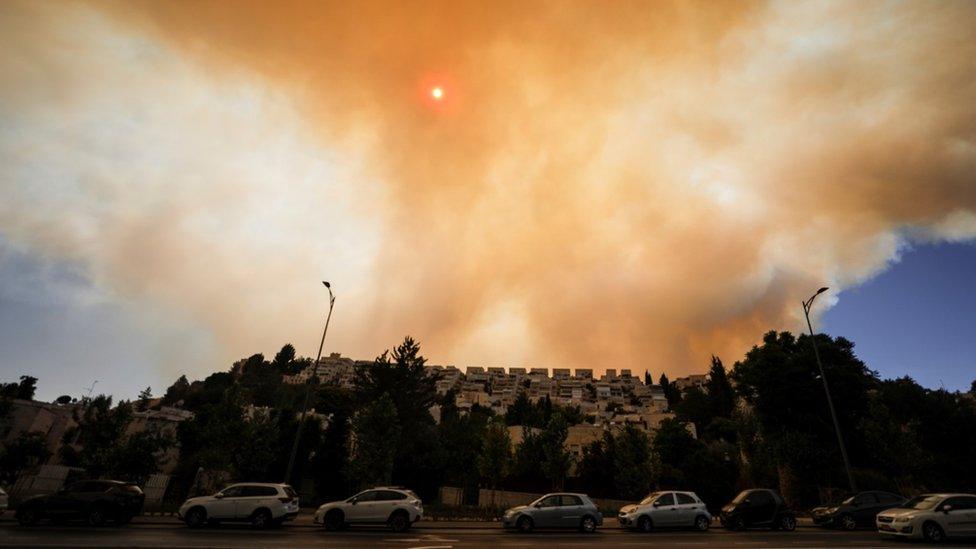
(28, 517)
(333, 520)
(96, 516)
(588, 524)
(933, 532)
(738, 523)
(847, 522)
(399, 522)
(644, 524)
(261, 519)
(702, 523)
(524, 524)
(196, 517)
(787, 523)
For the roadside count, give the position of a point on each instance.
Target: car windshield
(741, 497)
(921, 502)
(650, 497)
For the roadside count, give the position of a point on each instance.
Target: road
(429, 535)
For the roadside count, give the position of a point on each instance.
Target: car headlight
(902, 519)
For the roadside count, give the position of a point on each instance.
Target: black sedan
(857, 510)
(758, 508)
(94, 501)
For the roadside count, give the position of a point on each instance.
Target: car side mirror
(656, 504)
(538, 505)
(353, 502)
(219, 496)
(946, 509)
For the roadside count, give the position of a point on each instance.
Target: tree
(63, 399)
(376, 431)
(648, 380)
(495, 460)
(144, 396)
(633, 473)
(27, 451)
(24, 390)
(177, 391)
(556, 461)
(721, 396)
(780, 380)
(402, 377)
(284, 357)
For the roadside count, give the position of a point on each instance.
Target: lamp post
(308, 387)
(830, 402)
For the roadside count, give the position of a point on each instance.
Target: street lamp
(308, 387)
(830, 402)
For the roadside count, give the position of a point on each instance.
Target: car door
(762, 507)
(224, 504)
(361, 507)
(665, 510)
(546, 512)
(251, 498)
(570, 511)
(688, 508)
(65, 502)
(865, 507)
(386, 502)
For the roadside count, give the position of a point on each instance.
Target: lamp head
(820, 291)
(327, 285)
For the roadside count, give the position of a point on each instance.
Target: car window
(90, 487)
(290, 492)
(259, 491)
(761, 497)
(568, 501)
(684, 499)
(865, 499)
(232, 492)
(665, 499)
(389, 495)
(369, 495)
(966, 502)
(885, 497)
(549, 501)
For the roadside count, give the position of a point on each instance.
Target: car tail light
(286, 500)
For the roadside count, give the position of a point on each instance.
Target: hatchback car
(758, 508)
(95, 501)
(555, 511)
(932, 517)
(857, 510)
(668, 510)
(397, 508)
(262, 504)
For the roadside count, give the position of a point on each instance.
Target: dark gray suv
(555, 511)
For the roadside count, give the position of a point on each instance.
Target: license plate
(887, 528)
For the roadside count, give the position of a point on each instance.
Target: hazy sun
(437, 93)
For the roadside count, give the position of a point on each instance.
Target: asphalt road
(428, 535)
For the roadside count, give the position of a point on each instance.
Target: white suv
(263, 505)
(932, 517)
(395, 507)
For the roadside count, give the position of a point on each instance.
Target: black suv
(95, 501)
(758, 507)
(857, 510)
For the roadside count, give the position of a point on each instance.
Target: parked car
(555, 511)
(932, 517)
(758, 507)
(262, 504)
(95, 501)
(857, 510)
(668, 510)
(4, 501)
(398, 508)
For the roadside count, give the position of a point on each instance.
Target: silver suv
(398, 508)
(555, 511)
(261, 504)
(666, 509)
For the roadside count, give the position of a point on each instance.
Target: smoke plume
(624, 185)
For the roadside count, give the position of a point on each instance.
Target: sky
(638, 187)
